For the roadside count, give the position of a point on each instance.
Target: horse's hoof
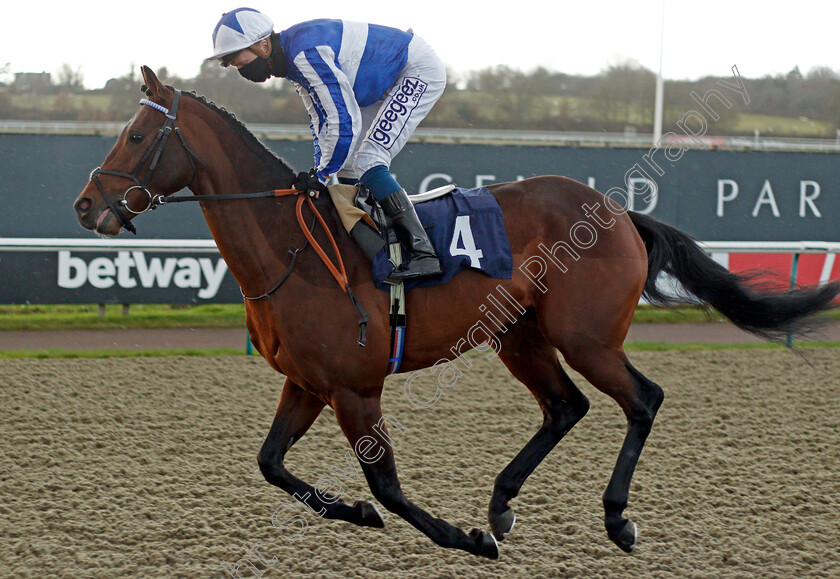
(486, 544)
(502, 525)
(626, 537)
(371, 517)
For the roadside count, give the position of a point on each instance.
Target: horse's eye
(135, 137)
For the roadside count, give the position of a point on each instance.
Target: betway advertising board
(126, 276)
(714, 195)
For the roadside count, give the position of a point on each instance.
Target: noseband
(154, 151)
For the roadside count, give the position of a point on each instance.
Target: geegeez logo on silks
(391, 121)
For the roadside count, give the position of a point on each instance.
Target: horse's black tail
(756, 309)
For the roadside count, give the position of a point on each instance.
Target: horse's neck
(251, 234)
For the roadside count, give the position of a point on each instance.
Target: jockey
(366, 88)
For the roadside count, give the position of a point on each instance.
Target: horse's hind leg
(609, 371)
(362, 422)
(534, 362)
(295, 414)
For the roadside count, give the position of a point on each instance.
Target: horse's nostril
(83, 205)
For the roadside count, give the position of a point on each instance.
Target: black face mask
(257, 70)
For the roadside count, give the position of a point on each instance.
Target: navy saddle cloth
(467, 231)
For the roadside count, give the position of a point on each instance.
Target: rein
(159, 200)
(337, 270)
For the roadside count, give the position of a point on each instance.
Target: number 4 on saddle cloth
(467, 230)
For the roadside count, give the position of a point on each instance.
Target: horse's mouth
(107, 223)
(103, 215)
(100, 220)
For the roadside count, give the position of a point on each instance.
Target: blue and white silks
(338, 68)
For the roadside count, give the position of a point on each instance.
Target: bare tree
(6, 75)
(71, 78)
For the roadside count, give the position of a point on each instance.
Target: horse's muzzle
(96, 218)
(83, 206)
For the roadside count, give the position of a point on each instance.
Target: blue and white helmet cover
(239, 29)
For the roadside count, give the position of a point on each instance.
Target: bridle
(155, 150)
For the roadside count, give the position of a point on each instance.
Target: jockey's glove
(309, 182)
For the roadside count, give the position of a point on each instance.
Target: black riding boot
(422, 260)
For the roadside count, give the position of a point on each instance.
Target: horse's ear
(151, 81)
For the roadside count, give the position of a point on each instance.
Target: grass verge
(88, 317)
(669, 346)
(151, 353)
(198, 352)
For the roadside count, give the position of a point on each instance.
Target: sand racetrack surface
(145, 467)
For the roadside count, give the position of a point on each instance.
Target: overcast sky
(106, 38)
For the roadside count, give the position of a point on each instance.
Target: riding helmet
(239, 29)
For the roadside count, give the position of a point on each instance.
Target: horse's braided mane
(254, 144)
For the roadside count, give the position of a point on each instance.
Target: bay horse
(578, 298)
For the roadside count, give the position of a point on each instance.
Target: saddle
(364, 201)
(465, 226)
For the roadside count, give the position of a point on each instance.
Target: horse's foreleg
(640, 398)
(361, 420)
(295, 414)
(533, 361)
